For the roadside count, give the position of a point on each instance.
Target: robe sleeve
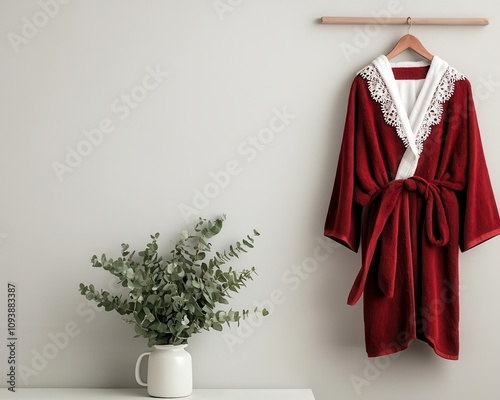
(343, 220)
(479, 213)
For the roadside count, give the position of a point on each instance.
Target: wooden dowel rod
(403, 21)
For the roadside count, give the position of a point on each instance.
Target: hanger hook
(410, 23)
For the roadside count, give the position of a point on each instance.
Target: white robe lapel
(411, 124)
(436, 71)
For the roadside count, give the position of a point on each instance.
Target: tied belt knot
(388, 197)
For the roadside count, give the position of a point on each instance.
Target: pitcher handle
(138, 369)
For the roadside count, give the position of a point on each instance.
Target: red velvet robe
(412, 218)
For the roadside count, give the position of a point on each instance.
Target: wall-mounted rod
(403, 21)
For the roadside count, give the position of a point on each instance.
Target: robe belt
(435, 225)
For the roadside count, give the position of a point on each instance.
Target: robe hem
(480, 239)
(431, 342)
(405, 345)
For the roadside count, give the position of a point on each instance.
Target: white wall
(226, 77)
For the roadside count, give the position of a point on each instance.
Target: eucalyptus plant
(170, 299)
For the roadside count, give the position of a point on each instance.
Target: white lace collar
(438, 87)
(415, 128)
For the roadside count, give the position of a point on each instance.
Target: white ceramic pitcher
(170, 371)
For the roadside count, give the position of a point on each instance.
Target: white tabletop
(198, 394)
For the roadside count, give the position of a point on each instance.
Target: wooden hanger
(409, 42)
